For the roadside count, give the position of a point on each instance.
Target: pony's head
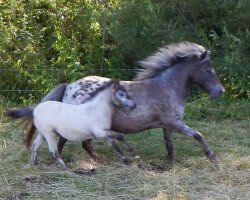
(193, 57)
(204, 76)
(120, 96)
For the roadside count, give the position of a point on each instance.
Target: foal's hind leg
(52, 143)
(35, 147)
(121, 138)
(198, 136)
(89, 148)
(169, 144)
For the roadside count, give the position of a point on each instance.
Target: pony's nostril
(222, 90)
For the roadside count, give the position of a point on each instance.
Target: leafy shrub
(43, 43)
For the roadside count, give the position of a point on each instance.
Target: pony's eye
(210, 71)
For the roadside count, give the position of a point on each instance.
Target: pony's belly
(125, 123)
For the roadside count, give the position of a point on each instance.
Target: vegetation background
(46, 42)
(43, 42)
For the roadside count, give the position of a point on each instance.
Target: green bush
(43, 43)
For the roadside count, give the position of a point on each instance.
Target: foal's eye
(121, 94)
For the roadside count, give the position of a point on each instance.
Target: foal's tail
(26, 115)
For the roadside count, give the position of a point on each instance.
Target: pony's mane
(168, 56)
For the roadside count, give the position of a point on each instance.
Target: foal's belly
(75, 135)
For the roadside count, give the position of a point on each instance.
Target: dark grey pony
(159, 90)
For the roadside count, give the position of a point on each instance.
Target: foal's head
(120, 96)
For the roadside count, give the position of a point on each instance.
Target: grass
(192, 177)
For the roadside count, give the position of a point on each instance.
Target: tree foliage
(44, 42)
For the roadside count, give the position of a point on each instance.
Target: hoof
(211, 156)
(97, 159)
(33, 163)
(171, 159)
(126, 161)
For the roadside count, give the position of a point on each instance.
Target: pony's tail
(55, 94)
(26, 115)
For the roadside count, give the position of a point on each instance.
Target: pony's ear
(204, 55)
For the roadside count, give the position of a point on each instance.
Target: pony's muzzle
(217, 91)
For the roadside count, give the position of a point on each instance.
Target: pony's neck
(179, 78)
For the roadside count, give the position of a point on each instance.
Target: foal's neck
(103, 98)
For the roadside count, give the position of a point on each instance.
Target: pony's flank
(167, 57)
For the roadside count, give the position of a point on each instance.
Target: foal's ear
(116, 84)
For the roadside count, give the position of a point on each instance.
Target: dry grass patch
(192, 177)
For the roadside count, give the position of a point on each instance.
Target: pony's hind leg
(35, 147)
(89, 148)
(60, 144)
(121, 138)
(85, 144)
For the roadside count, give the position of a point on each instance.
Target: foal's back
(74, 122)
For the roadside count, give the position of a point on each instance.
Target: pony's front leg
(85, 144)
(60, 144)
(121, 138)
(111, 141)
(198, 136)
(169, 144)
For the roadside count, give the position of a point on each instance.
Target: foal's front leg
(121, 138)
(111, 141)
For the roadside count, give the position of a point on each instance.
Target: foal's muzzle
(131, 105)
